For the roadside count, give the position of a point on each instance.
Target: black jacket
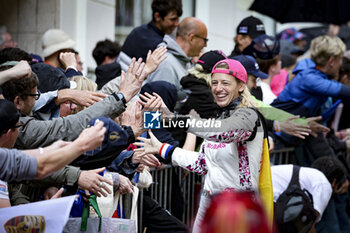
(200, 99)
(105, 73)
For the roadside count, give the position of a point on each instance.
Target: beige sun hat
(54, 40)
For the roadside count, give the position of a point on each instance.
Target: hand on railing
(146, 159)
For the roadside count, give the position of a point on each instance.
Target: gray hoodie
(174, 67)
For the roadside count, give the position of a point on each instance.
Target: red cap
(236, 69)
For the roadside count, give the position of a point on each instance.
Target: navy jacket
(141, 39)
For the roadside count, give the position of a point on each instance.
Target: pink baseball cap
(235, 68)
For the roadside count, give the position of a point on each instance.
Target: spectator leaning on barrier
(311, 87)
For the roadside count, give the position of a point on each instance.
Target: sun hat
(54, 40)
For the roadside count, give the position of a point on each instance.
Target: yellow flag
(265, 182)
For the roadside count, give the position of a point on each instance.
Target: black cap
(251, 26)
(209, 59)
(9, 115)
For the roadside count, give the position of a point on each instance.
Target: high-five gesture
(154, 59)
(131, 81)
(149, 145)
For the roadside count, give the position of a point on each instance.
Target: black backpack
(293, 210)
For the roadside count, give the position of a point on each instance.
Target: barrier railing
(283, 156)
(162, 190)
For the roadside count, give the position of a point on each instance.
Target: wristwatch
(120, 96)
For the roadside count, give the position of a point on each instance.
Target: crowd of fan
(59, 131)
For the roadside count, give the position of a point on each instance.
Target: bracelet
(164, 150)
(41, 150)
(341, 136)
(161, 148)
(276, 126)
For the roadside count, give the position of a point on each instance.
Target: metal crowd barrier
(162, 189)
(283, 156)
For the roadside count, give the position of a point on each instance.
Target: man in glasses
(22, 93)
(191, 38)
(67, 108)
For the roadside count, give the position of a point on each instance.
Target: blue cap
(251, 66)
(116, 140)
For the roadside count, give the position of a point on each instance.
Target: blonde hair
(324, 47)
(83, 84)
(198, 72)
(247, 100)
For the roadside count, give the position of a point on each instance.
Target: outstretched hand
(148, 98)
(149, 102)
(315, 126)
(149, 145)
(22, 69)
(154, 59)
(92, 137)
(133, 117)
(79, 97)
(86, 98)
(131, 81)
(146, 159)
(295, 129)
